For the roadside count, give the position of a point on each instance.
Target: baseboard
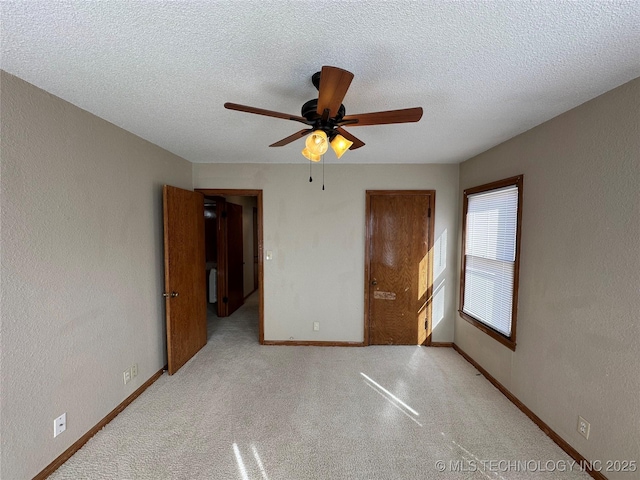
(312, 343)
(441, 344)
(563, 444)
(68, 453)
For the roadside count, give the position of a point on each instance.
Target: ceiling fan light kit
(326, 116)
(339, 144)
(317, 143)
(310, 156)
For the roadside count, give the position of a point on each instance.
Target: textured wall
(578, 351)
(317, 239)
(81, 270)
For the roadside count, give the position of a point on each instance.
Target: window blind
(490, 252)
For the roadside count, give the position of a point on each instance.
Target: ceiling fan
(326, 117)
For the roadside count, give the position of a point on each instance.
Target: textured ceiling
(483, 71)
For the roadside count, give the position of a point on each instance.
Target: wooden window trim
(517, 181)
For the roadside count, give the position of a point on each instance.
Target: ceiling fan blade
(404, 115)
(266, 113)
(334, 83)
(357, 143)
(291, 138)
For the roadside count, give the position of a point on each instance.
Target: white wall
(578, 349)
(317, 238)
(81, 270)
(247, 238)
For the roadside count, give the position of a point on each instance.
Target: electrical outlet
(316, 326)
(583, 427)
(59, 425)
(134, 370)
(127, 375)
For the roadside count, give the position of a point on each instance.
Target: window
(490, 258)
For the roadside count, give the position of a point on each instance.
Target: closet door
(398, 260)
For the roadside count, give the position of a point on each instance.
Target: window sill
(507, 342)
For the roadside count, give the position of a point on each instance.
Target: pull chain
(322, 172)
(310, 179)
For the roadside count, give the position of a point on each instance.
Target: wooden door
(184, 275)
(221, 221)
(230, 258)
(399, 273)
(235, 258)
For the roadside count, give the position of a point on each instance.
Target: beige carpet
(243, 411)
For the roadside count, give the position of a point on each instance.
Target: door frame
(367, 254)
(223, 192)
(255, 255)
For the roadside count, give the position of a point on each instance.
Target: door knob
(172, 294)
(375, 282)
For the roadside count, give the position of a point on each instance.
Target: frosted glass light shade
(317, 143)
(311, 156)
(340, 145)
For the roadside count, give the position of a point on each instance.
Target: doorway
(226, 243)
(227, 255)
(399, 266)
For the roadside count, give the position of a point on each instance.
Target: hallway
(241, 326)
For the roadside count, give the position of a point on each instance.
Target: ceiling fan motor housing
(310, 112)
(315, 79)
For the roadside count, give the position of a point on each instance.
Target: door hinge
(426, 324)
(225, 299)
